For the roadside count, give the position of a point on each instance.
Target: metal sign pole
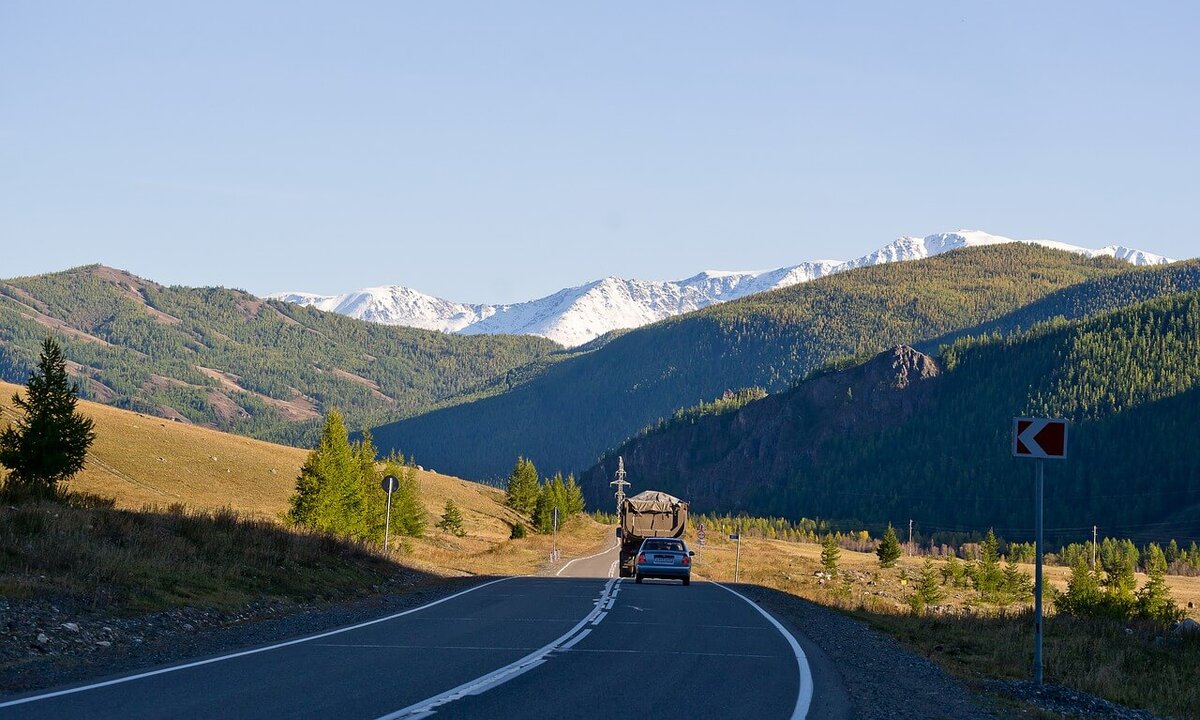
(737, 560)
(387, 524)
(555, 549)
(1037, 582)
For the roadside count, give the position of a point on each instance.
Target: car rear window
(664, 545)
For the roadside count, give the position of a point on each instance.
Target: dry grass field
(146, 462)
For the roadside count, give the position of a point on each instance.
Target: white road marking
(243, 653)
(571, 643)
(482, 684)
(600, 618)
(612, 570)
(587, 557)
(603, 651)
(804, 699)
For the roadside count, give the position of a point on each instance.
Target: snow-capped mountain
(576, 315)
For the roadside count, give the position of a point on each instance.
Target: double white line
(482, 684)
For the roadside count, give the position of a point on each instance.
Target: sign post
(1041, 439)
(390, 484)
(737, 558)
(554, 548)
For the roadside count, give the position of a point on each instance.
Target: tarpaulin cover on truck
(653, 514)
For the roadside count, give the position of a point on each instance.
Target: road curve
(581, 645)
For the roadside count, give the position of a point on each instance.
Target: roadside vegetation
(973, 617)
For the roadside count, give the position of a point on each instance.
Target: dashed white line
(482, 684)
(600, 618)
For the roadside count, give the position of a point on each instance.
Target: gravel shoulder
(869, 674)
(44, 645)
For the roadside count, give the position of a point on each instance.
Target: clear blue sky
(496, 151)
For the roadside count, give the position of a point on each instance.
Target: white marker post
(390, 484)
(737, 558)
(1041, 439)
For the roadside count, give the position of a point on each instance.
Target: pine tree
(889, 548)
(575, 502)
(408, 512)
(328, 486)
(50, 441)
(989, 578)
(928, 590)
(452, 520)
(830, 553)
(523, 486)
(1083, 596)
(543, 510)
(1017, 585)
(1154, 600)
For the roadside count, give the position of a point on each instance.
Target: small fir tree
(50, 441)
(830, 554)
(328, 494)
(989, 578)
(1083, 596)
(928, 590)
(1154, 600)
(452, 520)
(523, 486)
(889, 549)
(408, 512)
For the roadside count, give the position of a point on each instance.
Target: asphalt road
(581, 645)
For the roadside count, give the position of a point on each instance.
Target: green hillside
(847, 446)
(233, 361)
(573, 410)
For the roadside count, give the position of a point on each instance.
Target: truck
(649, 514)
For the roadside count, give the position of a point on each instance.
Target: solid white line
(588, 557)
(600, 618)
(804, 699)
(243, 653)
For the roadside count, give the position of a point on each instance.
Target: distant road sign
(390, 483)
(735, 536)
(1041, 438)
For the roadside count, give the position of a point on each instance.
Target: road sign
(390, 483)
(735, 536)
(1040, 438)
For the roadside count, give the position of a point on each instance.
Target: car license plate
(664, 561)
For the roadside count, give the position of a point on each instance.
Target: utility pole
(620, 482)
(1093, 548)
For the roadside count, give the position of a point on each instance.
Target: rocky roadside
(45, 644)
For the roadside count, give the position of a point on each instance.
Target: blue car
(665, 558)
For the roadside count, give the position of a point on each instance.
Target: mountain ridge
(576, 315)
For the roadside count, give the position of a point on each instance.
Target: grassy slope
(146, 463)
(1099, 658)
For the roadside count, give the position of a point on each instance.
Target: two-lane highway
(527, 647)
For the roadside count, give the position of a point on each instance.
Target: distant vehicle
(665, 558)
(649, 514)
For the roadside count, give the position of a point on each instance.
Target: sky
(495, 152)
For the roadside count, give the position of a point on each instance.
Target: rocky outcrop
(725, 460)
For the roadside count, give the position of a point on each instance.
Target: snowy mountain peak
(575, 315)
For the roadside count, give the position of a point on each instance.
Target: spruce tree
(452, 520)
(575, 502)
(1154, 600)
(928, 590)
(328, 484)
(408, 512)
(889, 549)
(50, 441)
(989, 578)
(543, 509)
(1083, 596)
(523, 486)
(830, 553)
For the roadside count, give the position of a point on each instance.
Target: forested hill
(904, 437)
(574, 410)
(230, 360)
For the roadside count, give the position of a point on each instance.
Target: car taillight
(642, 558)
(687, 560)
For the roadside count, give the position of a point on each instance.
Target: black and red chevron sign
(1041, 438)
